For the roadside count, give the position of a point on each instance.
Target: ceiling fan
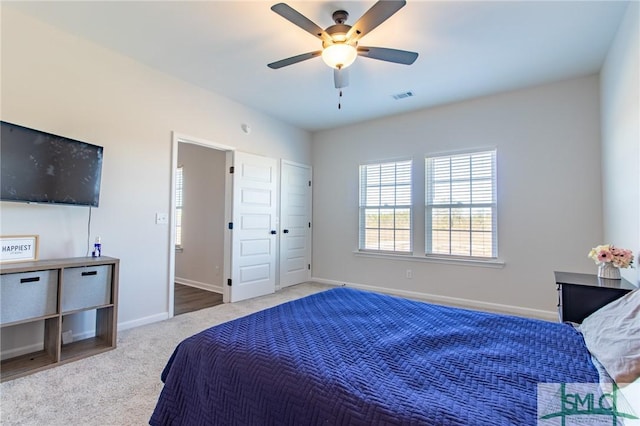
(340, 41)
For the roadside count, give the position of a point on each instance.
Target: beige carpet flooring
(120, 387)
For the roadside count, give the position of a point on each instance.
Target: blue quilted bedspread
(348, 357)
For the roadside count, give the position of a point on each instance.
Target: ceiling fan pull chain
(339, 100)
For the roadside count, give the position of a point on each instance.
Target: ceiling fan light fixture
(339, 55)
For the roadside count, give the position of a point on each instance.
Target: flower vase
(609, 271)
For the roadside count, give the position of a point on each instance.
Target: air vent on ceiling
(402, 95)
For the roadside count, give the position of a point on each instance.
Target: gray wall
(621, 140)
(549, 195)
(57, 82)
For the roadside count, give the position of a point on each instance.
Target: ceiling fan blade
(389, 55)
(340, 77)
(295, 17)
(379, 12)
(294, 59)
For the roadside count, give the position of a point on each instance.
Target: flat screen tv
(39, 167)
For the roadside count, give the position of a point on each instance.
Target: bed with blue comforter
(350, 357)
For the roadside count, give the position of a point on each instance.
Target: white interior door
(254, 234)
(295, 213)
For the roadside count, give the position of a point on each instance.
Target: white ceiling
(467, 49)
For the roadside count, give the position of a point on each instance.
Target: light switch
(162, 218)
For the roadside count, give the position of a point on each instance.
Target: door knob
(273, 232)
(286, 231)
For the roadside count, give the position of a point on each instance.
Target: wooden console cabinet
(45, 292)
(580, 295)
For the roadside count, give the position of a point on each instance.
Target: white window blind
(385, 207)
(461, 205)
(179, 204)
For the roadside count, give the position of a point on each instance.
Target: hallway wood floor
(189, 299)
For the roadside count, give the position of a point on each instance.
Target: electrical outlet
(409, 274)
(67, 337)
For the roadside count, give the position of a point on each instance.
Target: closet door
(295, 221)
(254, 235)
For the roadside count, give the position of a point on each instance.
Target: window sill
(489, 263)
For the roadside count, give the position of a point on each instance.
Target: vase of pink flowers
(610, 259)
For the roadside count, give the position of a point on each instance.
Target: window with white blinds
(179, 203)
(385, 207)
(461, 205)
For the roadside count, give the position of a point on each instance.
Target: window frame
(363, 207)
(491, 205)
(179, 212)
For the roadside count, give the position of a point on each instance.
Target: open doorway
(199, 205)
(247, 267)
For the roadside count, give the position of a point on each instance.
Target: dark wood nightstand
(580, 295)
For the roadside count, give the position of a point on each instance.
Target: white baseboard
(143, 321)
(165, 315)
(451, 301)
(200, 285)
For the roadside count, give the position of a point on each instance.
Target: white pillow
(612, 335)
